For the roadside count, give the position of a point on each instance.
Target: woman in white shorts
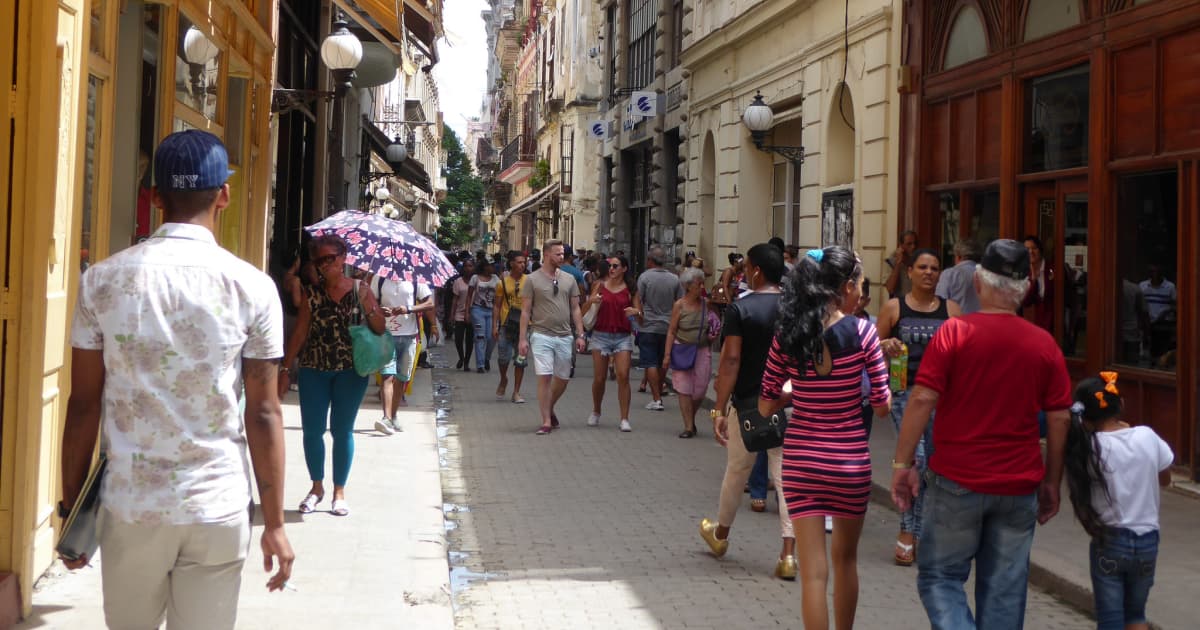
(612, 336)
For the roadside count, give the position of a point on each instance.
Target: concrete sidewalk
(1059, 561)
(383, 566)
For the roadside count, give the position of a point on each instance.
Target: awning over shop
(532, 201)
(418, 19)
(409, 169)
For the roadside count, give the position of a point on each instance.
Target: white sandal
(339, 507)
(309, 503)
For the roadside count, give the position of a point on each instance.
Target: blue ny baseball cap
(191, 160)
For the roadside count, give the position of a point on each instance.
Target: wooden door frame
(1058, 190)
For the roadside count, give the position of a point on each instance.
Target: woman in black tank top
(912, 321)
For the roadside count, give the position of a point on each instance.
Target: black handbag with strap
(512, 320)
(759, 433)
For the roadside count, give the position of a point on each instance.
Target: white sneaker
(384, 426)
(655, 405)
(593, 420)
(625, 428)
(396, 426)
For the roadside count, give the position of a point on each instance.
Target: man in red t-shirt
(988, 374)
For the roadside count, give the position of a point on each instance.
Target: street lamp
(758, 118)
(395, 154)
(341, 51)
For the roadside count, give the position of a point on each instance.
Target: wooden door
(1038, 219)
(1056, 213)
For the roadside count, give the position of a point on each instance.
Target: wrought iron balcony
(516, 160)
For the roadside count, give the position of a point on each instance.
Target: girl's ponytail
(1095, 400)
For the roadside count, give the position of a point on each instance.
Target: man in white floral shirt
(165, 337)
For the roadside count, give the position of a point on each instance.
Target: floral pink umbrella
(386, 247)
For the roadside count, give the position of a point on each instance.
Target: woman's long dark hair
(1082, 455)
(808, 292)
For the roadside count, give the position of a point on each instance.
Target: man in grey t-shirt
(549, 307)
(657, 290)
(958, 282)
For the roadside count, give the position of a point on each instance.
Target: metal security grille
(643, 16)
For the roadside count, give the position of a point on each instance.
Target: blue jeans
(993, 530)
(481, 318)
(758, 477)
(329, 398)
(1122, 574)
(910, 520)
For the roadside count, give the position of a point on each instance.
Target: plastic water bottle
(898, 370)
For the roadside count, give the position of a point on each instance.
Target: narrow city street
(593, 528)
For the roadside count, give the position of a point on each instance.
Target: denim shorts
(402, 359)
(1122, 570)
(609, 344)
(507, 351)
(651, 347)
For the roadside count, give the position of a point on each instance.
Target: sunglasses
(325, 260)
(555, 286)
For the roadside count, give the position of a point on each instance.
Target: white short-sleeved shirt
(403, 293)
(175, 316)
(1131, 460)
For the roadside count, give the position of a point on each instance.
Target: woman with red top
(612, 336)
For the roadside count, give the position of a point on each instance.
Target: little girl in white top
(1113, 474)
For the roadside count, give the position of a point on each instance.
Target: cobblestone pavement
(593, 528)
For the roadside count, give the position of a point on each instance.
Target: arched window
(967, 41)
(1050, 16)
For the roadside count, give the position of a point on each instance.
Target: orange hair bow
(1110, 380)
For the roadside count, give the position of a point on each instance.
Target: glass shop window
(1056, 121)
(1147, 264)
(197, 69)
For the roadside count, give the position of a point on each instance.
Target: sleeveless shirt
(916, 329)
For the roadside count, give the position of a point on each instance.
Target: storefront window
(235, 120)
(1075, 275)
(985, 217)
(951, 222)
(1057, 121)
(198, 69)
(982, 220)
(1147, 263)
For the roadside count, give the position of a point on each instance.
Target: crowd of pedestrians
(793, 339)
(802, 371)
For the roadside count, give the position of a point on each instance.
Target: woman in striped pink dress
(823, 352)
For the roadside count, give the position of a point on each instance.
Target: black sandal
(688, 433)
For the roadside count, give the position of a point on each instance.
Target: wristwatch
(714, 413)
(901, 465)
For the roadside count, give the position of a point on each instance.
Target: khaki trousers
(738, 464)
(188, 573)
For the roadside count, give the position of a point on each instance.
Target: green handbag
(371, 351)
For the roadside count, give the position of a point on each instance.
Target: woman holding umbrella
(330, 390)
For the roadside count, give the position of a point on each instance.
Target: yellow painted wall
(53, 58)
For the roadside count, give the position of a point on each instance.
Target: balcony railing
(516, 160)
(519, 150)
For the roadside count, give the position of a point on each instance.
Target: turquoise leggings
(329, 399)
